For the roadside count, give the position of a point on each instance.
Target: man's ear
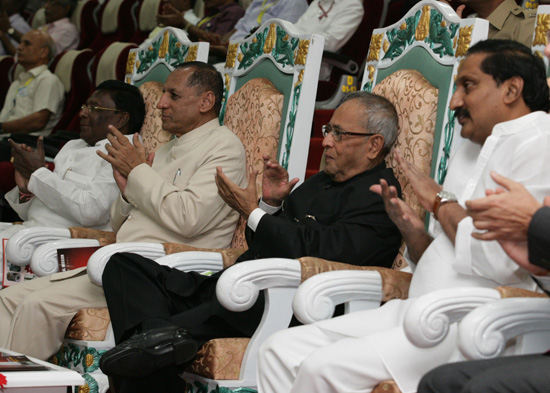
(207, 102)
(376, 146)
(513, 89)
(122, 120)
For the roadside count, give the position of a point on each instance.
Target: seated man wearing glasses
(332, 215)
(81, 188)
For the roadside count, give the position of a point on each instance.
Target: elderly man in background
(35, 100)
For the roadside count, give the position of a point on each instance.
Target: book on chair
(18, 363)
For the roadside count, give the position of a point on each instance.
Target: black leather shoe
(147, 352)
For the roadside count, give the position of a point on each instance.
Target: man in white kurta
(507, 133)
(174, 200)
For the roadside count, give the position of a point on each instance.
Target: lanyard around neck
(28, 82)
(263, 10)
(324, 13)
(206, 19)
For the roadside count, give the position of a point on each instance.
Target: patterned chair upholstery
(415, 100)
(254, 113)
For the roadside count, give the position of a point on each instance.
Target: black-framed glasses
(95, 108)
(338, 132)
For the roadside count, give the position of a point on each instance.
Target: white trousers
(35, 314)
(349, 354)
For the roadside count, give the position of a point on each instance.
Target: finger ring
(12, 159)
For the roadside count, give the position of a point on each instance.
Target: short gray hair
(50, 44)
(379, 117)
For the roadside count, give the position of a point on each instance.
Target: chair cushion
(152, 134)
(104, 237)
(220, 358)
(254, 114)
(89, 324)
(415, 100)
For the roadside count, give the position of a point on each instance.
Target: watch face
(447, 195)
(11, 30)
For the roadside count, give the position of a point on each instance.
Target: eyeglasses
(337, 132)
(93, 108)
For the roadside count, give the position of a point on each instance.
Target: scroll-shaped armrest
(98, 260)
(485, 332)
(44, 260)
(358, 287)
(429, 318)
(238, 289)
(21, 246)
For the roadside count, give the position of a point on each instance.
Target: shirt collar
(34, 72)
(197, 132)
(501, 13)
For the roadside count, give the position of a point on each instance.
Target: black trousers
(138, 289)
(514, 374)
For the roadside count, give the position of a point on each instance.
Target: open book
(18, 363)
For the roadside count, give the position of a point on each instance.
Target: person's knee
(269, 351)
(428, 383)
(443, 379)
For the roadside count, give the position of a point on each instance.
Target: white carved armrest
(44, 260)
(193, 260)
(317, 297)
(239, 286)
(485, 332)
(21, 246)
(98, 260)
(429, 318)
(238, 289)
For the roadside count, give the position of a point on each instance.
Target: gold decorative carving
(163, 50)
(89, 360)
(231, 55)
(300, 78)
(192, 54)
(403, 26)
(271, 38)
(375, 45)
(370, 70)
(464, 40)
(227, 80)
(301, 54)
(423, 27)
(131, 63)
(543, 25)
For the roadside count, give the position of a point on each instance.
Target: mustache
(461, 112)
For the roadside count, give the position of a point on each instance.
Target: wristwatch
(441, 198)
(11, 31)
